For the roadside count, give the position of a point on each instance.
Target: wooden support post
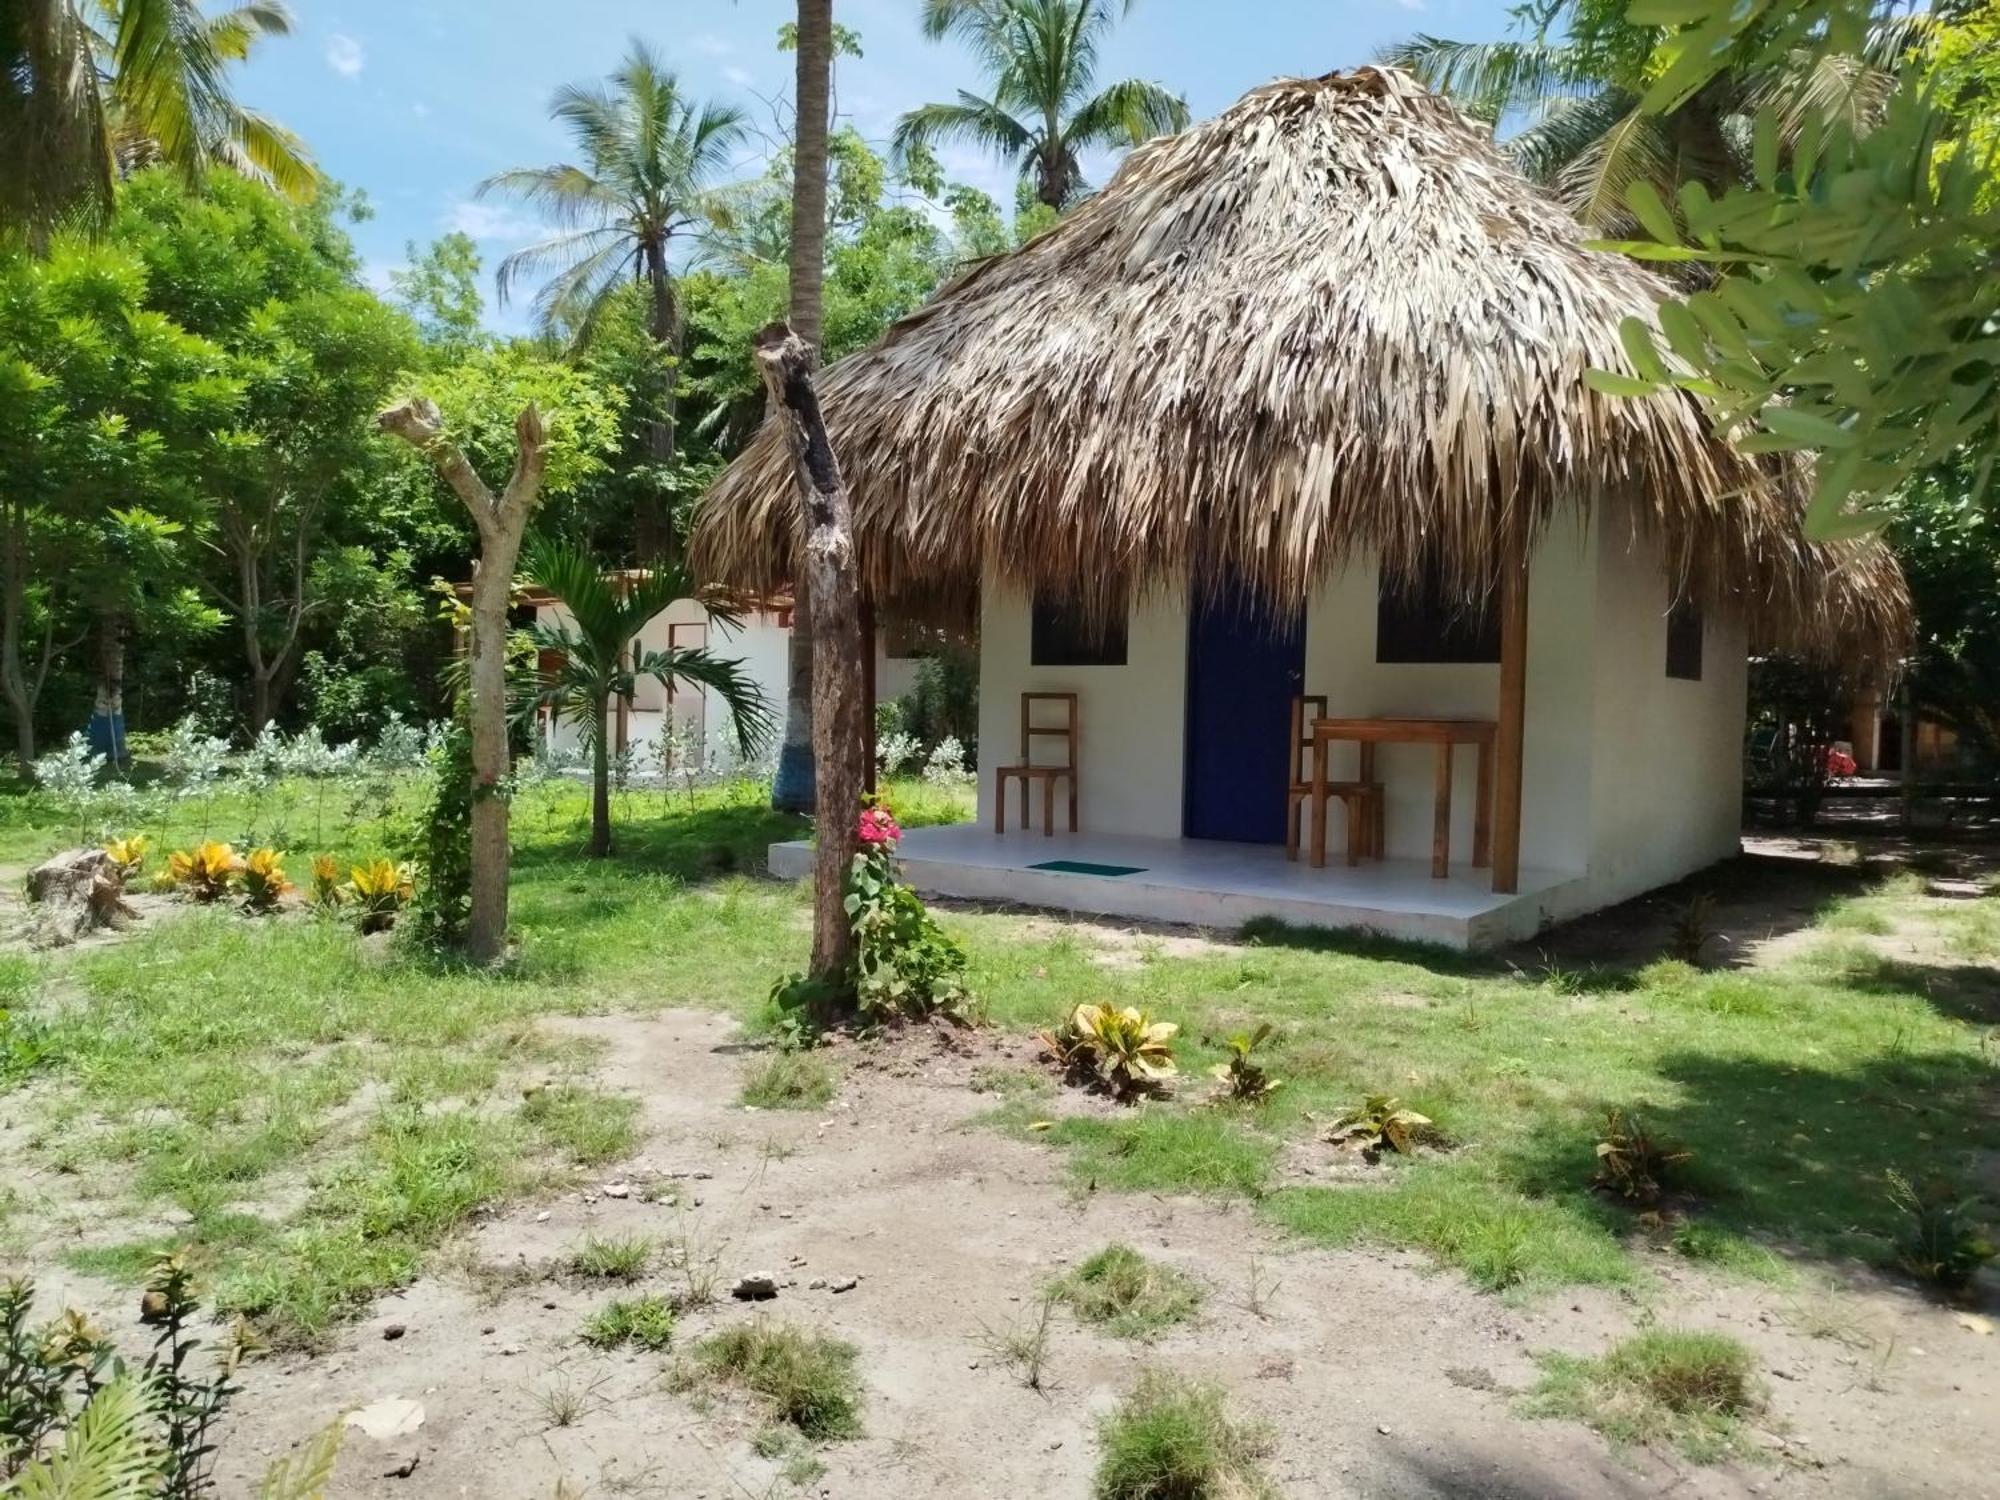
(868, 692)
(1512, 714)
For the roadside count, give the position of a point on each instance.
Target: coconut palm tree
(650, 155)
(1043, 110)
(1588, 137)
(792, 789)
(92, 88)
(599, 661)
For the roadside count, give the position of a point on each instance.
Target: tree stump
(75, 893)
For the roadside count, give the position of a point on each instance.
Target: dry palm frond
(1331, 322)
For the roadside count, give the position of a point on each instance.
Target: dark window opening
(1426, 622)
(1064, 637)
(1684, 632)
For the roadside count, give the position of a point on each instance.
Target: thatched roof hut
(1331, 320)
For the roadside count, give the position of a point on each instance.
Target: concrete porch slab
(1196, 882)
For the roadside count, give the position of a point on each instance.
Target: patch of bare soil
(1378, 1376)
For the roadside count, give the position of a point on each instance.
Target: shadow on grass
(1795, 1157)
(1965, 992)
(694, 846)
(1275, 932)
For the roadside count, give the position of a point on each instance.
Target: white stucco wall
(1631, 779)
(1667, 775)
(1340, 662)
(1132, 717)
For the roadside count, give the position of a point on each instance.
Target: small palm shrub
(377, 891)
(1381, 1122)
(1633, 1163)
(206, 871)
(263, 880)
(1942, 1240)
(1125, 1051)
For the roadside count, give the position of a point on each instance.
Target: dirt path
(1379, 1377)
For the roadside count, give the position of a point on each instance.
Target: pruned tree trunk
(501, 522)
(832, 585)
(75, 893)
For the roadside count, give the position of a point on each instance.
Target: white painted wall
(1132, 717)
(1631, 779)
(1667, 784)
(1340, 662)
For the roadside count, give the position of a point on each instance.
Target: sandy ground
(1379, 1377)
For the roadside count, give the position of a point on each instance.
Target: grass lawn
(316, 1112)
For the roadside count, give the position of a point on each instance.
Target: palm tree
(649, 157)
(792, 789)
(1588, 136)
(1042, 114)
(81, 103)
(600, 662)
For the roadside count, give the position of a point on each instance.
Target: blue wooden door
(1245, 665)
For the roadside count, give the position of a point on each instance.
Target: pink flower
(878, 826)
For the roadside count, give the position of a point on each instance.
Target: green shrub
(1673, 1386)
(790, 1078)
(1943, 1241)
(1173, 1439)
(647, 1322)
(1128, 1294)
(807, 1378)
(613, 1259)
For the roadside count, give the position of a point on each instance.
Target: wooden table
(1446, 735)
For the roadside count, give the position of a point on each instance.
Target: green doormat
(1085, 867)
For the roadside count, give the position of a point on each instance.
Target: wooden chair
(1028, 771)
(1362, 797)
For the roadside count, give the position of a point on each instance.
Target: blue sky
(414, 101)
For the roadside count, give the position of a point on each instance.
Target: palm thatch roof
(1332, 320)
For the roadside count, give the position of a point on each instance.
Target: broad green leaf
(1652, 212)
(1637, 340)
(1764, 148)
(1611, 383)
(1807, 427)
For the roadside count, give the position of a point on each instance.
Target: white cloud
(741, 77)
(345, 55)
(1411, 4)
(377, 273)
(421, 110)
(708, 44)
(489, 221)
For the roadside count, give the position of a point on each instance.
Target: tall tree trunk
(654, 525)
(501, 521)
(110, 702)
(792, 791)
(13, 605)
(833, 583)
(600, 786)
